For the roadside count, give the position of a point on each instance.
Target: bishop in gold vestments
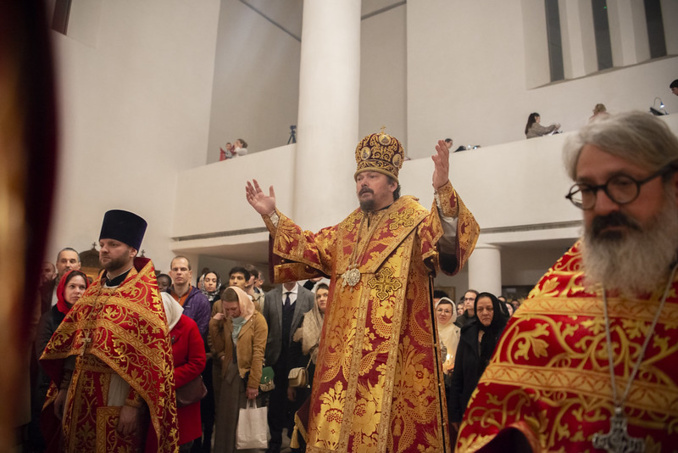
(378, 383)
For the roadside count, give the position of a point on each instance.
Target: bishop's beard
(635, 262)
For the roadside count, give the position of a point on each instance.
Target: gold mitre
(379, 152)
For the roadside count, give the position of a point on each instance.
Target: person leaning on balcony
(534, 129)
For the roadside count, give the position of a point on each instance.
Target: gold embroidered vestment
(377, 381)
(116, 331)
(550, 378)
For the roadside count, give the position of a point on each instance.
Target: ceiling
(249, 252)
(287, 14)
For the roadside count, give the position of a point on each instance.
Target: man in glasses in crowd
(590, 361)
(469, 304)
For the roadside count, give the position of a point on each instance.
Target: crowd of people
(573, 367)
(468, 333)
(219, 334)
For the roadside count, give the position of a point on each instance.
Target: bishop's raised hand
(262, 203)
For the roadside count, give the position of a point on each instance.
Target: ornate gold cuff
(446, 198)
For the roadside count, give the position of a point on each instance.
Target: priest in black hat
(111, 359)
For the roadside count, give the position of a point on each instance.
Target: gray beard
(638, 262)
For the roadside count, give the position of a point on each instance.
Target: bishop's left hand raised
(441, 160)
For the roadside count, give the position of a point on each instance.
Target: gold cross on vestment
(86, 341)
(89, 387)
(384, 283)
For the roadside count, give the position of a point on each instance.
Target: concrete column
(329, 89)
(484, 269)
(536, 43)
(628, 32)
(579, 43)
(669, 14)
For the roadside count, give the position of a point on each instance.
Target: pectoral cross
(617, 440)
(86, 340)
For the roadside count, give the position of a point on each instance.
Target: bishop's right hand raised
(262, 203)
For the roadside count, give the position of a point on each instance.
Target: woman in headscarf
(448, 332)
(476, 345)
(188, 351)
(308, 335)
(70, 289)
(238, 339)
(304, 353)
(210, 284)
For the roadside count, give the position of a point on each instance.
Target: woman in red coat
(188, 349)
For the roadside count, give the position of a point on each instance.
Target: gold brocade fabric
(123, 331)
(378, 384)
(550, 378)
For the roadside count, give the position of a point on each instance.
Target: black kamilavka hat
(123, 226)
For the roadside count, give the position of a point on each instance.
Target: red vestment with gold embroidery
(550, 377)
(116, 331)
(378, 382)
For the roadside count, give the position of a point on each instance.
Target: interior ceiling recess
(287, 14)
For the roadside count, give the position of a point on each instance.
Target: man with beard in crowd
(590, 361)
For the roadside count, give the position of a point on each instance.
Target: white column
(669, 14)
(484, 269)
(536, 43)
(579, 42)
(628, 32)
(327, 129)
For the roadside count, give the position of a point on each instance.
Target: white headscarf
(449, 332)
(173, 309)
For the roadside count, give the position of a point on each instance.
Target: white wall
(134, 109)
(256, 81)
(467, 78)
(142, 100)
(226, 209)
(524, 266)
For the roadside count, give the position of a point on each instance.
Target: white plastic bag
(252, 427)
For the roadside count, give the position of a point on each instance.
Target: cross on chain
(86, 340)
(618, 440)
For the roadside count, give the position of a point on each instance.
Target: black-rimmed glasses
(622, 189)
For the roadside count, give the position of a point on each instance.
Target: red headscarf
(62, 305)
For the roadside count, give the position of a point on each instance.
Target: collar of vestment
(115, 281)
(388, 228)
